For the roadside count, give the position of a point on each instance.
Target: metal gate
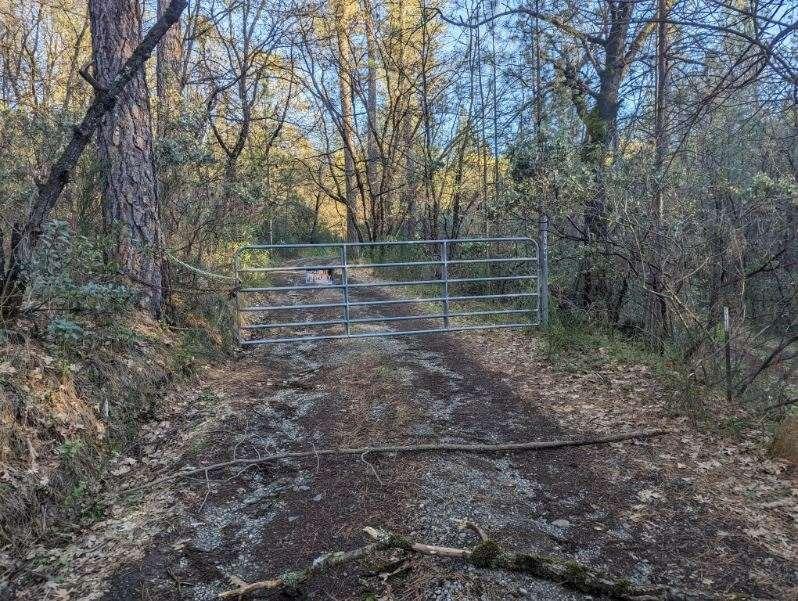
(307, 292)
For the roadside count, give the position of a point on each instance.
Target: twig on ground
(420, 448)
(294, 578)
(473, 526)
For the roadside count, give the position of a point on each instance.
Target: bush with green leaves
(64, 331)
(67, 273)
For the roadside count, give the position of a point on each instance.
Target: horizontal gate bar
(441, 315)
(288, 268)
(349, 266)
(294, 324)
(492, 260)
(390, 284)
(382, 243)
(489, 279)
(256, 308)
(279, 288)
(291, 268)
(484, 296)
(266, 326)
(386, 333)
(432, 299)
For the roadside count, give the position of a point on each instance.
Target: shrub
(64, 332)
(68, 273)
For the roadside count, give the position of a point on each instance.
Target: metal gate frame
(533, 257)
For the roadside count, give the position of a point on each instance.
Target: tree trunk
(372, 152)
(347, 118)
(407, 63)
(125, 147)
(601, 124)
(656, 308)
(169, 60)
(430, 198)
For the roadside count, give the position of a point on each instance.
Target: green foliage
(120, 335)
(295, 224)
(64, 332)
(68, 273)
(24, 133)
(577, 343)
(542, 175)
(182, 146)
(70, 449)
(207, 396)
(76, 495)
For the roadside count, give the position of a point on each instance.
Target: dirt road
(664, 510)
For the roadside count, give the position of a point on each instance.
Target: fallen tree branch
(420, 448)
(487, 554)
(474, 527)
(294, 578)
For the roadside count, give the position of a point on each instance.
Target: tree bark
(430, 198)
(372, 152)
(342, 21)
(168, 68)
(125, 147)
(656, 308)
(601, 124)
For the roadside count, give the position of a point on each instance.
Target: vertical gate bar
(543, 270)
(345, 289)
(236, 299)
(445, 279)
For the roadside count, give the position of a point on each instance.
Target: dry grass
(785, 439)
(64, 408)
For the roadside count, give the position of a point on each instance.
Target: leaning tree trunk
(130, 192)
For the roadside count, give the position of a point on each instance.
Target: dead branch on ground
(420, 448)
(487, 554)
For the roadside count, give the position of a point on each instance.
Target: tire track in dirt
(376, 390)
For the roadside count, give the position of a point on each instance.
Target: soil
(693, 509)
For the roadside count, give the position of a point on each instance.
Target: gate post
(445, 278)
(543, 268)
(237, 298)
(345, 289)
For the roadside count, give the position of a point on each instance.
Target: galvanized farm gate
(270, 297)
